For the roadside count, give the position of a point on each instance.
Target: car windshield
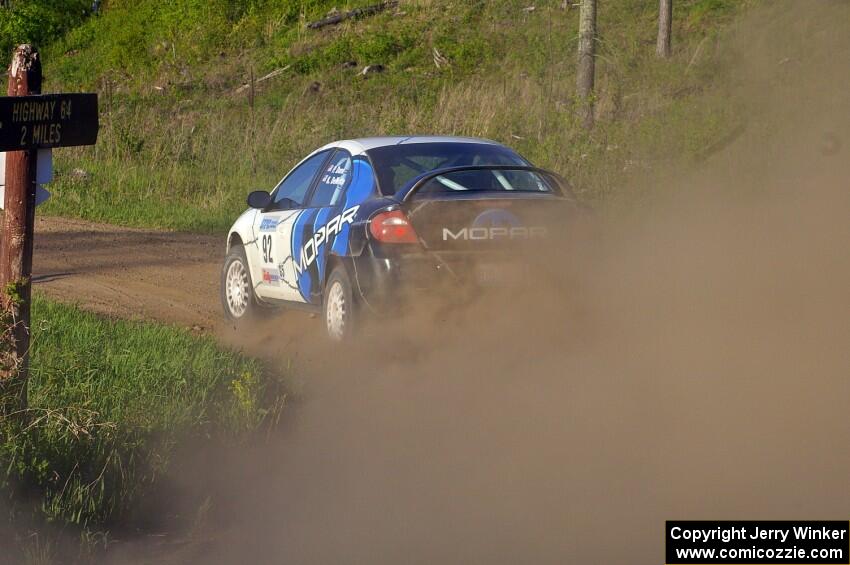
(396, 165)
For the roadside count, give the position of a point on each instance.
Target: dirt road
(131, 273)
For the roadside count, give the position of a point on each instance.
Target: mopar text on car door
(274, 275)
(317, 230)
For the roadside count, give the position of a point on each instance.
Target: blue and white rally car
(360, 224)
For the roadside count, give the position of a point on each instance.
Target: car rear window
(396, 165)
(487, 180)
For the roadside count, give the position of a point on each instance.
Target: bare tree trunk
(665, 21)
(586, 71)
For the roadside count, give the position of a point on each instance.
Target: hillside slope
(181, 144)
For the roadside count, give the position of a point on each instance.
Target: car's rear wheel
(339, 307)
(237, 290)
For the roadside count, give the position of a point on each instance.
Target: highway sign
(47, 120)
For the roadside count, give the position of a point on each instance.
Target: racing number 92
(267, 249)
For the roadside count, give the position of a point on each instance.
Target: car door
(272, 269)
(317, 230)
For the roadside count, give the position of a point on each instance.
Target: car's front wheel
(237, 291)
(339, 307)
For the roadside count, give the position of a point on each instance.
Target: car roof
(363, 144)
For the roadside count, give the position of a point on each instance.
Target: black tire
(339, 309)
(233, 263)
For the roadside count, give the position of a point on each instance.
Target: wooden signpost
(29, 121)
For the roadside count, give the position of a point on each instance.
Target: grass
(109, 402)
(180, 149)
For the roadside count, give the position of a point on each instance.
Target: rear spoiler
(406, 193)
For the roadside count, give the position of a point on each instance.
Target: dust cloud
(692, 363)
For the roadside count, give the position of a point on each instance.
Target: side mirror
(259, 199)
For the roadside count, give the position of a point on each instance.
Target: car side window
(333, 180)
(296, 184)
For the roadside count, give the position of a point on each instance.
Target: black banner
(765, 542)
(47, 120)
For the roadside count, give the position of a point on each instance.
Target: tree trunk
(665, 21)
(585, 74)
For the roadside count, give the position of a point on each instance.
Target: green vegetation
(109, 401)
(38, 21)
(180, 147)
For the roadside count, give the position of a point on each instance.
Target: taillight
(392, 227)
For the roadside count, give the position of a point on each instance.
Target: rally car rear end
(461, 230)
